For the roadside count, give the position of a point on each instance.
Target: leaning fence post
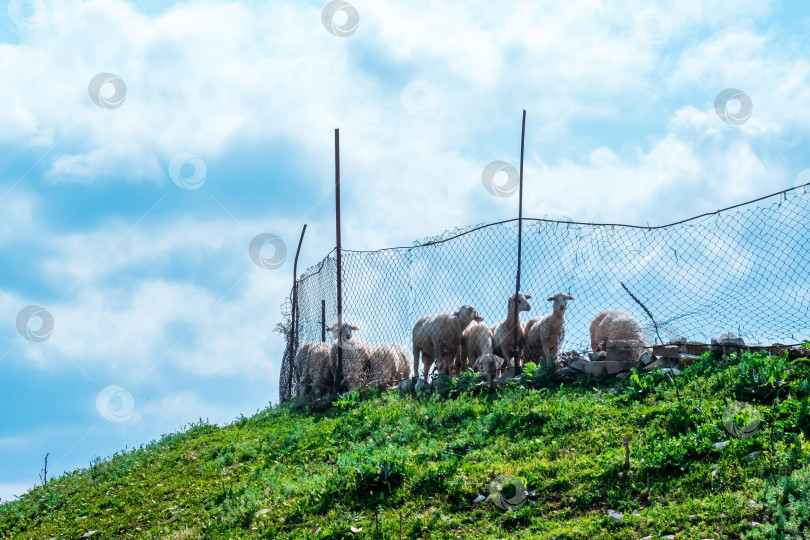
(516, 347)
(339, 381)
(294, 328)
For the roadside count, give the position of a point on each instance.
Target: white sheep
(311, 366)
(490, 364)
(477, 350)
(545, 333)
(389, 363)
(356, 354)
(437, 337)
(504, 331)
(612, 324)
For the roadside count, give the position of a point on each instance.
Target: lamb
(545, 333)
(437, 337)
(504, 331)
(389, 363)
(356, 354)
(489, 364)
(612, 324)
(476, 348)
(312, 372)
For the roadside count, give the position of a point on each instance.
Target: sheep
(491, 365)
(612, 324)
(312, 371)
(504, 331)
(436, 337)
(389, 363)
(545, 333)
(356, 354)
(476, 348)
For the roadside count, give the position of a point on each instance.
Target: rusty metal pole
(323, 321)
(294, 329)
(339, 381)
(516, 347)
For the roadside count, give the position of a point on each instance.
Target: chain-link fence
(744, 270)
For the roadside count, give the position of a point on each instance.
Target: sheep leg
(427, 362)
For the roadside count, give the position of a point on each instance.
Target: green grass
(376, 460)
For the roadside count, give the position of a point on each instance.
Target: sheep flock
(449, 343)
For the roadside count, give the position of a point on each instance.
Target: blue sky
(150, 285)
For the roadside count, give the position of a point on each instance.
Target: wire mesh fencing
(745, 271)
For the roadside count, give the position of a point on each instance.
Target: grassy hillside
(373, 463)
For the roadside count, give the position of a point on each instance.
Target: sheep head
(522, 302)
(560, 301)
(466, 314)
(341, 334)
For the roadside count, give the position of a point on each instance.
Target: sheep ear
(528, 296)
(455, 314)
(355, 328)
(479, 318)
(569, 297)
(330, 328)
(551, 299)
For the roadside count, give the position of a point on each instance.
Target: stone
(662, 363)
(615, 517)
(672, 371)
(694, 347)
(602, 368)
(479, 499)
(646, 358)
(407, 386)
(688, 359)
(597, 356)
(726, 344)
(620, 350)
(507, 375)
(720, 445)
(261, 512)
